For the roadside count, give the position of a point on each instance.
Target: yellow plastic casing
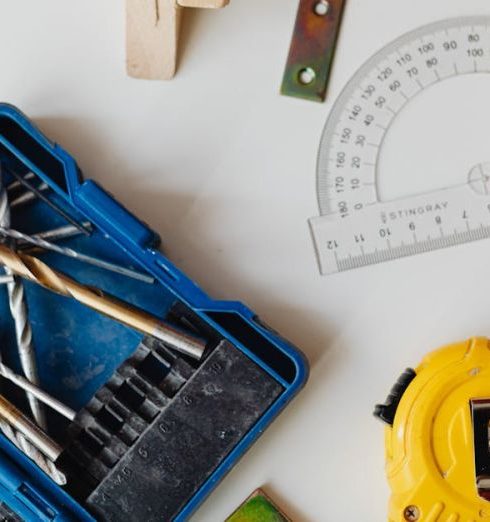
(429, 449)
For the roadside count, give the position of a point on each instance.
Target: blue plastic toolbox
(155, 431)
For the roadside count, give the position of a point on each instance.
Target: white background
(224, 168)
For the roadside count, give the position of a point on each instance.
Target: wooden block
(152, 33)
(208, 4)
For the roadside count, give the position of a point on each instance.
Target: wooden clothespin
(152, 35)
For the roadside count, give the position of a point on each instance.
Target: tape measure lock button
(386, 412)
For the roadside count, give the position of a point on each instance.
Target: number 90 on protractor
(404, 160)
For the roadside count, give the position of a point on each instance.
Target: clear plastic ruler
(356, 227)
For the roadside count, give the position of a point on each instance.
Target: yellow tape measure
(438, 437)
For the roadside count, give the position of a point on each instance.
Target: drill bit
(53, 234)
(16, 437)
(33, 453)
(27, 197)
(16, 185)
(40, 394)
(35, 270)
(31, 432)
(19, 440)
(46, 245)
(23, 330)
(63, 232)
(23, 181)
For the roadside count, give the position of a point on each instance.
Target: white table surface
(224, 168)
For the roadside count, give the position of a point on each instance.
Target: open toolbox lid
(144, 411)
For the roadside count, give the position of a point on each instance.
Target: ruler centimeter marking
(418, 247)
(355, 228)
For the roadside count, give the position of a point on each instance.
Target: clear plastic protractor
(375, 95)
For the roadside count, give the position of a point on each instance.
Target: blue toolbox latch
(112, 217)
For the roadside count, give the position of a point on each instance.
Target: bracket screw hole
(321, 7)
(306, 76)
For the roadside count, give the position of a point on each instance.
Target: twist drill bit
(47, 465)
(35, 270)
(16, 437)
(33, 453)
(44, 397)
(69, 252)
(23, 330)
(31, 432)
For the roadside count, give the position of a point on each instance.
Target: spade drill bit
(35, 270)
(23, 330)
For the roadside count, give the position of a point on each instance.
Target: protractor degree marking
(384, 59)
(356, 130)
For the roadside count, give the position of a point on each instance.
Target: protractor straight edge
(356, 227)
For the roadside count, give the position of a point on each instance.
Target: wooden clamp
(152, 35)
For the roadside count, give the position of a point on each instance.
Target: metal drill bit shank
(44, 397)
(27, 197)
(33, 269)
(64, 232)
(13, 186)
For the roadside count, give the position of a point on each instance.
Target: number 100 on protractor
(356, 227)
